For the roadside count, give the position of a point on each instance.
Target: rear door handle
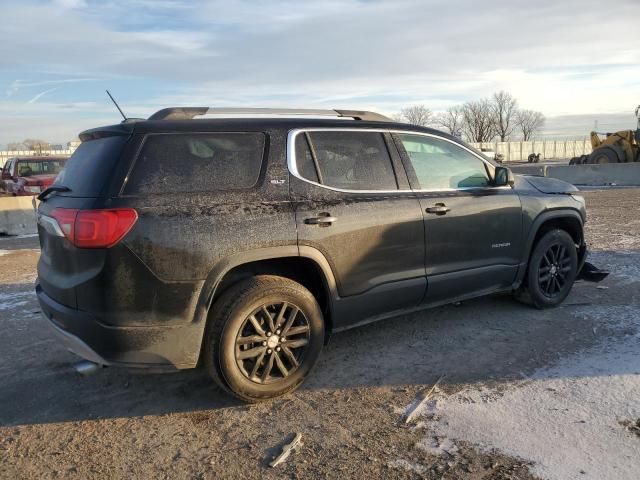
(324, 220)
(438, 209)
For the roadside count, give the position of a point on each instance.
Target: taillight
(95, 228)
(66, 218)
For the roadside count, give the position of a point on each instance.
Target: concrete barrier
(528, 169)
(620, 174)
(17, 216)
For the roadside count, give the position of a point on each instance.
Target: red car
(30, 175)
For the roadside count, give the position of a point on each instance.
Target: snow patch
(408, 466)
(9, 301)
(624, 266)
(565, 419)
(437, 446)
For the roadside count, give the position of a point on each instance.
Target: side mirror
(503, 177)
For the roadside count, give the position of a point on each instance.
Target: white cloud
(352, 53)
(70, 3)
(42, 94)
(16, 85)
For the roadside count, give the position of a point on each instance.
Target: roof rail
(188, 113)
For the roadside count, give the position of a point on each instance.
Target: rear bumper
(163, 348)
(73, 343)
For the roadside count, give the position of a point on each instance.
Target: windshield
(28, 168)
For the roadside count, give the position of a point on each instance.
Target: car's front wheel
(264, 336)
(552, 269)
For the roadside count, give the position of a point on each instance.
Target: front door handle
(438, 209)
(323, 219)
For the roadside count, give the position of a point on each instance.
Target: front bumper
(158, 348)
(587, 271)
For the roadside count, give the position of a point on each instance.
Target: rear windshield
(29, 168)
(197, 162)
(88, 169)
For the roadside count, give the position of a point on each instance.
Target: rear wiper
(49, 190)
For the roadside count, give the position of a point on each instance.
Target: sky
(573, 60)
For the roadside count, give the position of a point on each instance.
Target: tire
(602, 155)
(554, 252)
(240, 335)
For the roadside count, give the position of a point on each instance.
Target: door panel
(373, 239)
(472, 229)
(475, 246)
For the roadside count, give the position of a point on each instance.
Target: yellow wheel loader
(618, 147)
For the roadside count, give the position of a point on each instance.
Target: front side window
(440, 164)
(346, 160)
(6, 170)
(197, 162)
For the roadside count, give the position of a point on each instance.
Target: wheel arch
(305, 265)
(566, 219)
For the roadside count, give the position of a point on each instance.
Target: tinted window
(441, 164)
(88, 169)
(7, 167)
(351, 160)
(304, 160)
(173, 163)
(28, 168)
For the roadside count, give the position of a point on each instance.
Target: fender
(228, 263)
(533, 231)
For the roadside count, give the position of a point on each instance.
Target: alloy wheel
(554, 270)
(272, 342)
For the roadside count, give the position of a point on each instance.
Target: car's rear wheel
(552, 269)
(264, 336)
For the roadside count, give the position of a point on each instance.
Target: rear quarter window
(197, 162)
(87, 171)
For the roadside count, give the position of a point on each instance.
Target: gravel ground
(525, 394)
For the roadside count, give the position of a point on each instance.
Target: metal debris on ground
(286, 450)
(416, 409)
(632, 426)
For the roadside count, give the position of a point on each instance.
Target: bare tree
(451, 120)
(530, 122)
(36, 144)
(478, 121)
(505, 109)
(417, 115)
(16, 146)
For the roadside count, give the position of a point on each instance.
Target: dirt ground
(525, 393)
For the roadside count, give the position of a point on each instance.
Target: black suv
(243, 242)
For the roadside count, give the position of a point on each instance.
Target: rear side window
(27, 168)
(304, 159)
(85, 173)
(197, 162)
(346, 160)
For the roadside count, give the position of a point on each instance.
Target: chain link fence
(548, 149)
